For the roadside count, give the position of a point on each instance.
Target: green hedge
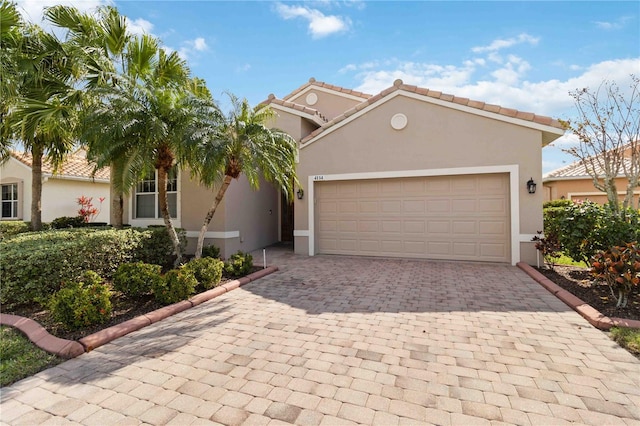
(34, 265)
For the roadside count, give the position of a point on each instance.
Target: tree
(608, 131)
(41, 109)
(10, 40)
(152, 119)
(243, 144)
(101, 38)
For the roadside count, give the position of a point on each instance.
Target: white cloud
(320, 25)
(189, 47)
(33, 10)
(500, 44)
(243, 68)
(139, 26)
(615, 25)
(503, 86)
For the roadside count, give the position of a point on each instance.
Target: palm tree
(151, 120)
(10, 40)
(41, 110)
(244, 144)
(101, 38)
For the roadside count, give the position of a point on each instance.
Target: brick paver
(341, 340)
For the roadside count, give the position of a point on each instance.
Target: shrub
(211, 251)
(67, 222)
(33, 265)
(81, 303)
(207, 270)
(136, 279)
(557, 203)
(619, 267)
(176, 285)
(239, 264)
(585, 228)
(156, 246)
(11, 228)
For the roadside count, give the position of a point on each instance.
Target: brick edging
(71, 349)
(594, 317)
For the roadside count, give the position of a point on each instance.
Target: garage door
(444, 217)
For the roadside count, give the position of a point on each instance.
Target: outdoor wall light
(300, 193)
(531, 186)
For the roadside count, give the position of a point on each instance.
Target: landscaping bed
(579, 282)
(123, 309)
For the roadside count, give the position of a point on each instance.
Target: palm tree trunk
(210, 213)
(117, 207)
(164, 209)
(36, 187)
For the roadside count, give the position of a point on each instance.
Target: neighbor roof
(578, 170)
(399, 85)
(76, 166)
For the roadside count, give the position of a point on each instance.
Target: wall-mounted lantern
(531, 186)
(300, 193)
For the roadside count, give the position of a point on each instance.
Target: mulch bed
(123, 309)
(579, 282)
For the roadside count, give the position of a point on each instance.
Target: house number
(318, 177)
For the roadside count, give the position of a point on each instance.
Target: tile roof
(318, 117)
(399, 85)
(578, 170)
(312, 82)
(74, 167)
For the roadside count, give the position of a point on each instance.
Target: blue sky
(524, 55)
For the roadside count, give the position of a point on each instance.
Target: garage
(458, 217)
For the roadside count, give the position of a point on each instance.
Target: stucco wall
(58, 195)
(435, 138)
(328, 104)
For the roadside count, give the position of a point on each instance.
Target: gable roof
(301, 110)
(552, 129)
(578, 170)
(330, 87)
(75, 167)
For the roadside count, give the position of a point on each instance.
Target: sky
(526, 55)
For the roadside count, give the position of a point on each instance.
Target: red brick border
(71, 349)
(594, 317)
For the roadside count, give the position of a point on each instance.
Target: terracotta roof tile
(399, 85)
(312, 82)
(75, 166)
(578, 170)
(320, 119)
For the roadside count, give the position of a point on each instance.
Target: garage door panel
(445, 217)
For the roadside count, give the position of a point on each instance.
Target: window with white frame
(10, 201)
(146, 198)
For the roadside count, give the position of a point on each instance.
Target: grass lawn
(566, 260)
(19, 358)
(627, 338)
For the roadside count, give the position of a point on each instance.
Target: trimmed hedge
(239, 264)
(207, 270)
(34, 265)
(176, 285)
(136, 279)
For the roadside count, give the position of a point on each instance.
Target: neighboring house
(572, 182)
(60, 190)
(409, 172)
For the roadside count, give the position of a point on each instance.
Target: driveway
(334, 340)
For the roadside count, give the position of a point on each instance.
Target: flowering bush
(87, 211)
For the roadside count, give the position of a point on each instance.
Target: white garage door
(462, 217)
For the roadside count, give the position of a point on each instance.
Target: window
(147, 201)
(10, 201)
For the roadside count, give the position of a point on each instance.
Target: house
(60, 189)
(408, 172)
(572, 182)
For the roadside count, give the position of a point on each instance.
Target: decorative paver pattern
(343, 340)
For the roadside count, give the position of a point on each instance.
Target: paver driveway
(333, 340)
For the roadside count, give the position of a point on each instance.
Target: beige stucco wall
(435, 138)
(58, 195)
(328, 104)
(583, 189)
